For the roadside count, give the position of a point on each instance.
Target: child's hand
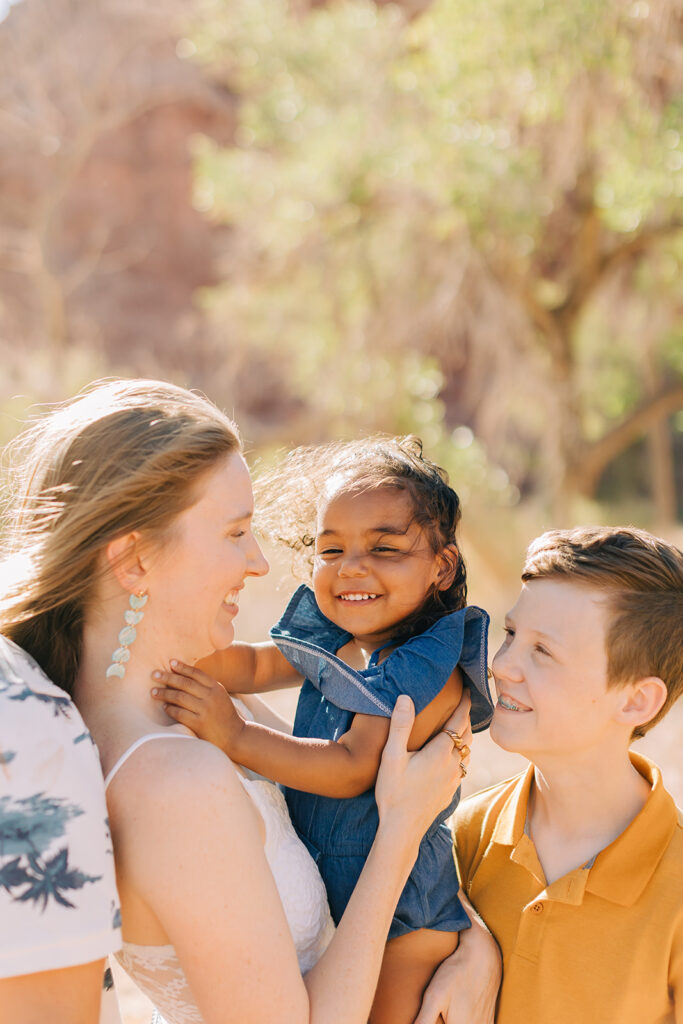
(194, 699)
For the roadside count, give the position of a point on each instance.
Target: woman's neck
(117, 710)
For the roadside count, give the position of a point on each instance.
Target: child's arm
(250, 668)
(342, 768)
(263, 712)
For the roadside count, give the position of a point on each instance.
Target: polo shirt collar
(620, 871)
(509, 827)
(623, 869)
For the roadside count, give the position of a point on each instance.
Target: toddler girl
(387, 615)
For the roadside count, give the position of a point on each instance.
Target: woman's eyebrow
(240, 518)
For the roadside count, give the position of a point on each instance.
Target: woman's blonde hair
(123, 455)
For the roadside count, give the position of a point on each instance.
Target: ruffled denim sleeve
(419, 667)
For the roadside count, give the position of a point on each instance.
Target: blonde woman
(132, 536)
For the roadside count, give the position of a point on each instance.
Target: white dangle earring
(133, 617)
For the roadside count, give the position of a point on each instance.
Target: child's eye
(384, 549)
(237, 534)
(540, 649)
(509, 632)
(330, 551)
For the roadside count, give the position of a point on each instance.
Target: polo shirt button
(537, 908)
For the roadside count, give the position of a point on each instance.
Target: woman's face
(194, 584)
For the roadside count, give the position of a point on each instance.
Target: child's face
(551, 673)
(373, 565)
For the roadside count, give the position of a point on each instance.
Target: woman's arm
(70, 995)
(464, 988)
(188, 843)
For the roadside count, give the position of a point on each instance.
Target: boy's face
(551, 673)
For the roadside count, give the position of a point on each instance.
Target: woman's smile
(231, 600)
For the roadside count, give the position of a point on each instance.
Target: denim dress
(340, 832)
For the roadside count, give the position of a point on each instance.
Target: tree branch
(619, 254)
(595, 457)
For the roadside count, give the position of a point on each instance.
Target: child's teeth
(357, 597)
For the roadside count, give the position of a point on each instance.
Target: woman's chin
(221, 636)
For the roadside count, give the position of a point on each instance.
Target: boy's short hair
(643, 578)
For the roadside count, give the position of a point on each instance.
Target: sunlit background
(459, 220)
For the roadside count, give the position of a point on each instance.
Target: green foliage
(379, 162)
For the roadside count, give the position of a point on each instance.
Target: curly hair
(288, 496)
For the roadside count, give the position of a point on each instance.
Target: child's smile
(374, 565)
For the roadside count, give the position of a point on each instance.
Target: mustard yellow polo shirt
(603, 944)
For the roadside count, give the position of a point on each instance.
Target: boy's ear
(124, 555)
(642, 701)
(449, 559)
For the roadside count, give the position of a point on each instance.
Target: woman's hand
(201, 703)
(464, 988)
(412, 788)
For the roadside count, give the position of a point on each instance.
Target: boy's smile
(374, 565)
(551, 671)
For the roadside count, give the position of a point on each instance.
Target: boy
(577, 865)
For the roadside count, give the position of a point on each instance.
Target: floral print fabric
(58, 900)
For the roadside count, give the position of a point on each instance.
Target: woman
(132, 535)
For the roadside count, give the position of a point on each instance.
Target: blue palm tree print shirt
(58, 901)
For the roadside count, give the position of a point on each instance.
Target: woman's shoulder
(177, 766)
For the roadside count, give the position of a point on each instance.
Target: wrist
(399, 840)
(235, 740)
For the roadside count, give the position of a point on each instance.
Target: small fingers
(197, 675)
(169, 696)
(184, 678)
(181, 715)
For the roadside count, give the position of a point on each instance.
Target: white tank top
(156, 969)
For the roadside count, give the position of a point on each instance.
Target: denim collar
(458, 638)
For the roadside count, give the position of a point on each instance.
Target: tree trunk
(662, 474)
(660, 446)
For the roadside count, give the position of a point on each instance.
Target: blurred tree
(469, 215)
(99, 245)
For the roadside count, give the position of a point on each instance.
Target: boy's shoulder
(480, 812)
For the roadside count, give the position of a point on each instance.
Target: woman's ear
(124, 555)
(449, 558)
(642, 701)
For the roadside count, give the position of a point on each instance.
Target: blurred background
(462, 221)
